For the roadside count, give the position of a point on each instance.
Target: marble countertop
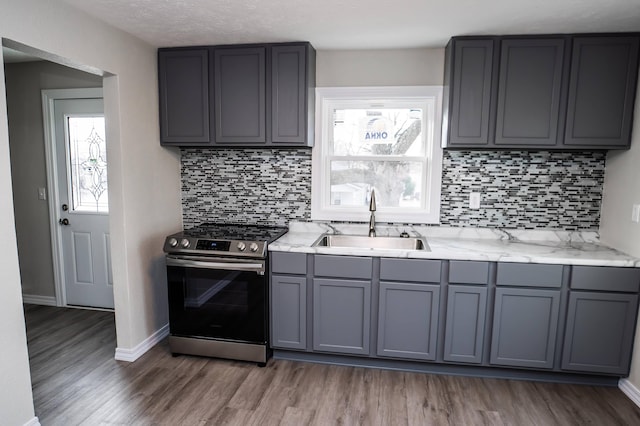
(554, 247)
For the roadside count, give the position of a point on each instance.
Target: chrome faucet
(372, 219)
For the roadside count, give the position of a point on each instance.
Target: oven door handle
(208, 264)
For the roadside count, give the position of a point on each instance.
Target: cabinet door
(599, 334)
(469, 112)
(183, 78)
(525, 322)
(240, 96)
(408, 320)
(529, 89)
(289, 312)
(602, 85)
(341, 316)
(464, 332)
(288, 95)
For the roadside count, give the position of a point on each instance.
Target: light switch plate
(635, 213)
(42, 194)
(474, 200)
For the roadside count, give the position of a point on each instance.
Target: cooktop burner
(235, 231)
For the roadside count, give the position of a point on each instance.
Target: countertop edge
(547, 252)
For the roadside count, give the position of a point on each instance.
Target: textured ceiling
(355, 24)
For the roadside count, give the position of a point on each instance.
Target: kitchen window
(382, 138)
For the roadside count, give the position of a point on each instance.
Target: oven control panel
(213, 245)
(210, 246)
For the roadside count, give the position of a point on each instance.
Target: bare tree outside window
(391, 137)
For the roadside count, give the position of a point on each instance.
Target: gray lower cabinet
(465, 323)
(341, 316)
(599, 333)
(289, 312)
(525, 323)
(408, 320)
(598, 313)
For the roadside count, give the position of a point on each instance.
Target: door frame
(49, 96)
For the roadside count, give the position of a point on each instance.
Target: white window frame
(326, 97)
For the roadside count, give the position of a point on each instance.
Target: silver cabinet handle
(207, 264)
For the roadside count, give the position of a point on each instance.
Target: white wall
(399, 67)
(24, 82)
(621, 191)
(144, 182)
(16, 406)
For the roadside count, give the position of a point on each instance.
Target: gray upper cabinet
(468, 83)
(529, 88)
(540, 92)
(184, 96)
(238, 96)
(292, 94)
(240, 110)
(604, 73)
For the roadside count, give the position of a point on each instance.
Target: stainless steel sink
(359, 241)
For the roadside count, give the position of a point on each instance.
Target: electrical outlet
(42, 194)
(635, 213)
(474, 200)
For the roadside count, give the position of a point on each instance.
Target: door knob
(64, 221)
(65, 207)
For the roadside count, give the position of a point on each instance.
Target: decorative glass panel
(88, 164)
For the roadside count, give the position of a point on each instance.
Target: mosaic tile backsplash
(520, 190)
(523, 190)
(267, 186)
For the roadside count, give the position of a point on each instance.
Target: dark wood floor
(77, 381)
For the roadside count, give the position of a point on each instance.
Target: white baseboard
(630, 390)
(33, 299)
(130, 355)
(33, 422)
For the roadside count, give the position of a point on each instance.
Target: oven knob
(241, 246)
(173, 242)
(253, 247)
(184, 243)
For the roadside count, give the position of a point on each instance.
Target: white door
(83, 209)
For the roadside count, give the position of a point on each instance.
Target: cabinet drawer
(410, 270)
(465, 272)
(605, 278)
(343, 267)
(288, 263)
(529, 275)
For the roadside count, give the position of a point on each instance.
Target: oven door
(217, 298)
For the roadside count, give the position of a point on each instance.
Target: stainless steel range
(218, 290)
